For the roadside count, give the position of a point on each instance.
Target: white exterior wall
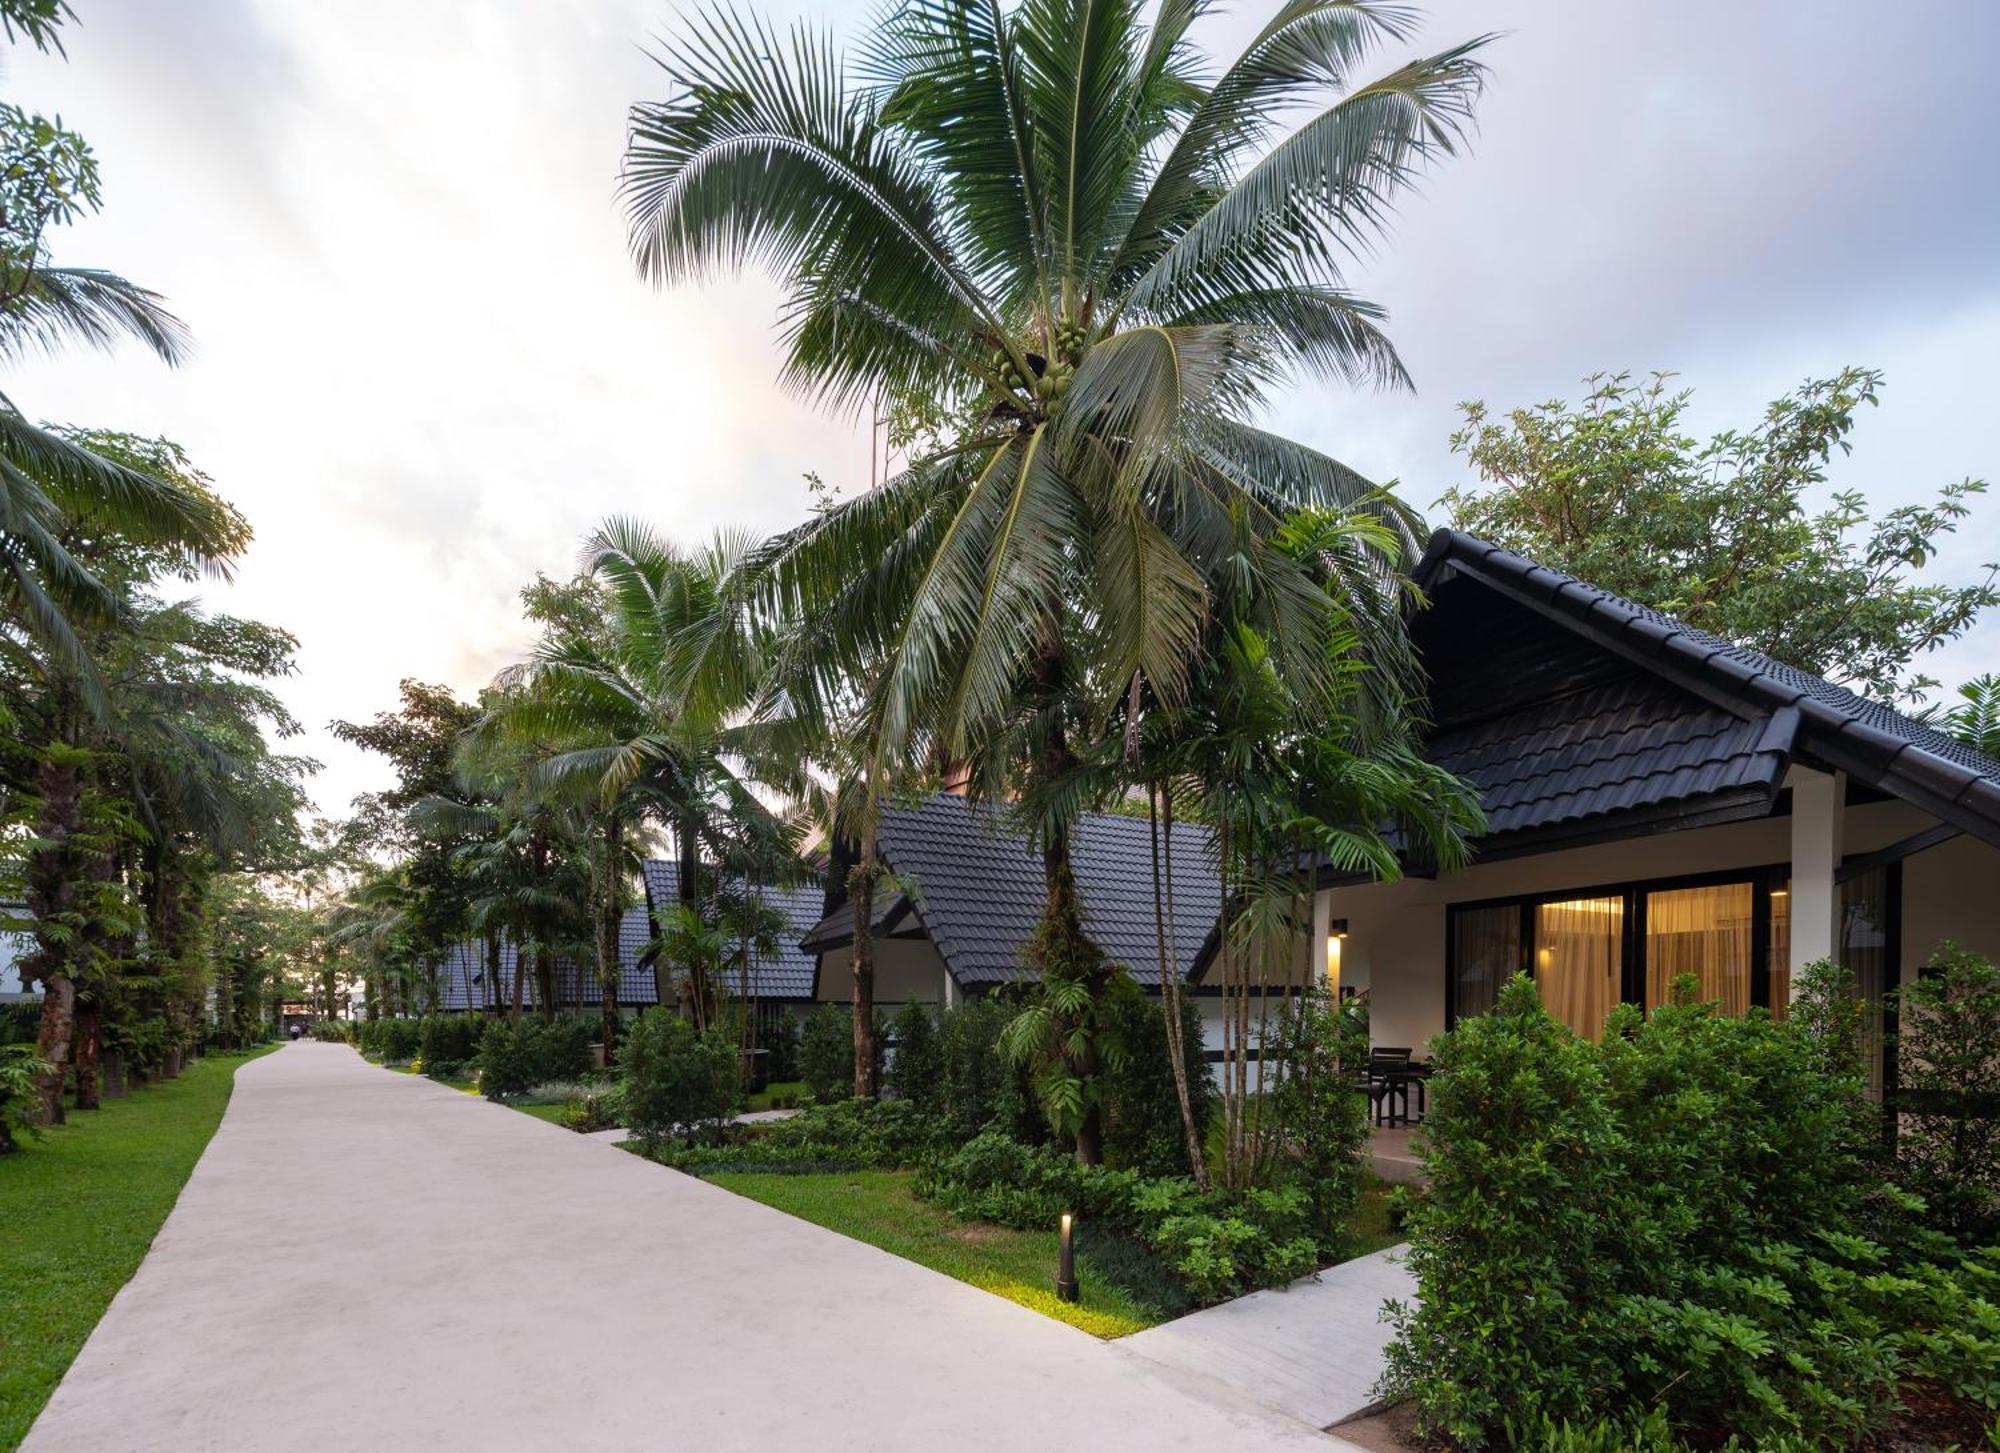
(906, 969)
(1396, 931)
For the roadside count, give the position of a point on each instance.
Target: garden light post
(1066, 1261)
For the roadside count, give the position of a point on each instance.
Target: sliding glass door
(1705, 932)
(1578, 955)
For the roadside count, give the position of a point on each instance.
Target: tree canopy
(1738, 536)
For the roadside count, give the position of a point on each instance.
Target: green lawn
(79, 1207)
(550, 1113)
(768, 1097)
(877, 1206)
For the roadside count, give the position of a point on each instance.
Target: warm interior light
(1781, 892)
(1333, 963)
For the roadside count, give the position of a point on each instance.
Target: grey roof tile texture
(977, 889)
(1648, 743)
(1612, 748)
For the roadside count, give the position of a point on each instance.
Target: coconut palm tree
(636, 705)
(1073, 268)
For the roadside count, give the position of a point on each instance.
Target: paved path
(1312, 1351)
(365, 1260)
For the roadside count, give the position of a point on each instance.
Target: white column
(950, 1000)
(1320, 960)
(1817, 812)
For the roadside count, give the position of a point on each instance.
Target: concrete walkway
(1312, 1351)
(365, 1260)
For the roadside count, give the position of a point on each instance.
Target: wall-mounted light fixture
(1066, 1288)
(1336, 930)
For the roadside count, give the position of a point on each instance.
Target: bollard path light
(1066, 1260)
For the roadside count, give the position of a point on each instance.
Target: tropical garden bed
(115, 1172)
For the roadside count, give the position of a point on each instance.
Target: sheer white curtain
(1704, 932)
(1577, 960)
(1486, 952)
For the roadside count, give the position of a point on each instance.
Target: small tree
(826, 1053)
(916, 1073)
(1948, 1065)
(678, 1083)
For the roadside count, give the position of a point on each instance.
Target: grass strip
(81, 1205)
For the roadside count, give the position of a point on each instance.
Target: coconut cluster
(1047, 379)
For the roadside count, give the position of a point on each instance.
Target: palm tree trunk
(55, 875)
(88, 1042)
(861, 892)
(520, 979)
(687, 888)
(610, 909)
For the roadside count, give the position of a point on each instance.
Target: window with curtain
(1578, 956)
(1485, 953)
(1704, 932)
(1781, 949)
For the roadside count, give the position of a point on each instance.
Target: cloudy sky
(425, 366)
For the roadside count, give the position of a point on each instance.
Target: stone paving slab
(365, 1260)
(1311, 1351)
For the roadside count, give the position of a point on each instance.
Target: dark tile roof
(1691, 717)
(789, 975)
(1619, 747)
(463, 982)
(975, 888)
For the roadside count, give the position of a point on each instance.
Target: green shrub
(826, 1052)
(982, 1089)
(447, 1043)
(1669, 1222)
(1948, 1068)
(517, 1055)
(916, 1073)
(676, 1082)
(1142, 1111)
(844, 1135)
(333, 1031)
(398, 1040)
(1318, 1118)
(594, 1110)
(20, 1064)
(1214, 1245)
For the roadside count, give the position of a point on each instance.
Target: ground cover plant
(1692, 1219)
(880, 1208)
(115, 1172)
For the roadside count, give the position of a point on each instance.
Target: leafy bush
(594, 1109)
(398, 1040)
(826, 1053)
(20, 1064)
(676, 1082)
(916, 1074)
(450, 1042)
(1214, 1245)
(981, 1088)
(1948, 1066)
(1668, 1221)
(333, 1031)
(1319, 1120)
(844, 1135)
(517, 1055)
(1142, 1112)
